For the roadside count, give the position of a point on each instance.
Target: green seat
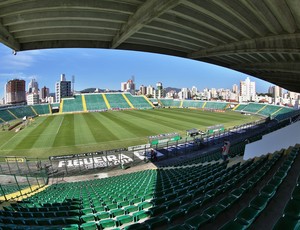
(259, 202)
(72, 220)
(89, 226)
(31, 221)
(131, 208)
(99, 208)
(213, 211)
(286, 222)
(156, 210)
(280, 175)
(86, 211)
(74, 213)
(140, 215)
(135, 201)
(292, 209)
(144, 205)
(20, 221)
(275, 181)
(268, 190)
(120, 220)
(172, 204)
(296, 193)
(71, 227)
(196, 221)
(227, 201)
(123, 203)
(41, 221)
(177, 227)
(173, 214)
(102, 215)
(157, 201)
(191, 207)
(87, 217)
(57, 221)
(61, 214)
(111, 206)
(155, 222)
(136, 226)
(116, 212)
(254, 179)
(233, 225)
(247, 215)
(238, 192)
(185, 198)
(107, 223)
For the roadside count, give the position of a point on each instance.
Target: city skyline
(105, 69)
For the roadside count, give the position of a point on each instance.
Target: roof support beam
(7, 38)
(286, 43)
(150, 10)
(282, 67)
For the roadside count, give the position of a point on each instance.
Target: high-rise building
(247, 90)
(271, 90)
(143, 90)
(185, 93)
(33, 99)
(33, 86)
(159, 86)
(123, 86)
(62, 88)
(128, 86)
(159, 92)
(213, 93)
(194, 91)
(15, 92)
(277, 92)
(44, 94)
(235, 88)
(150, 90)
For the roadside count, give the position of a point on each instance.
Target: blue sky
(106, 69)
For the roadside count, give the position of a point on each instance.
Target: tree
(149, 95)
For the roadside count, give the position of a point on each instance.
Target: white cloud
(20, 61)
(8, 76)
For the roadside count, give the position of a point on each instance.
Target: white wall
(282, 138)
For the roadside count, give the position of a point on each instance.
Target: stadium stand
(182, 197)
(215, 105)
(192, 104)
(268, 110)
(189, 194)
(127, 100)
(263, 109)
(73, 104)
(95, 102)
(170, 102)
(240, 107)
(138, 101)
(20, 112)
(253, 107)
(117, 101)
(285, 113)
(42, 109)
(11, 188)
(6, 116)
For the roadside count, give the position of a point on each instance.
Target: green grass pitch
(76, 133)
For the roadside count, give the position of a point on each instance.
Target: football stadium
(123, 161)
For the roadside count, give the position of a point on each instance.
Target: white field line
(60, 124)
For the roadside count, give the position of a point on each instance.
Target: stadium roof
(258, 37)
